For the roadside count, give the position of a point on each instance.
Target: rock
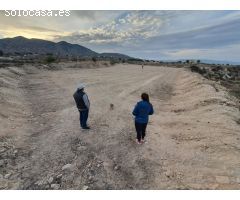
(81, 148)
(39, 183)
(55, 186)
(7, 175)
(98, 165)
(2, 150)
(1, 163)
(116, 167)
(67, 166)
(42, 182)
(50, 180)
(90, 178)
(168, 173)
(85, 187)
(222, 179)
(59, 176)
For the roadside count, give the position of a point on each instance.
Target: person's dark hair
(145, 97)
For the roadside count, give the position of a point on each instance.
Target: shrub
(1, 53)
(94, 59)
(113, 62)
(50, 59)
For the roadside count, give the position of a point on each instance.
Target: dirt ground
(193, 139)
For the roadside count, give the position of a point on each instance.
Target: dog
(111, 106)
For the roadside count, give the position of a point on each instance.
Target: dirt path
(192, 140)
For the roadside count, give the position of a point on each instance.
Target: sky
(159, 35)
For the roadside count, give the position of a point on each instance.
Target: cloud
(130, 26)
(207, 37)
(146, 34)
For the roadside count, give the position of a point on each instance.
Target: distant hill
(115, 55)
(222, 62)
(23, 45)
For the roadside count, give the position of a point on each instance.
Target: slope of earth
(192, 139)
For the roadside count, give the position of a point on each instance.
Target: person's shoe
(87, 127)
(138, 142)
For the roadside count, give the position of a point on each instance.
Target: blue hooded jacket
(141, 111)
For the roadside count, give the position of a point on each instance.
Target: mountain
(23, 45)
(222, 62)
(115, 55)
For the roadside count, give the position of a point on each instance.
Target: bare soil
(192, 139)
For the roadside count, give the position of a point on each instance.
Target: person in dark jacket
(141, 112)
(83, 105)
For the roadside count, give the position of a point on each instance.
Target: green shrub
(50, 59)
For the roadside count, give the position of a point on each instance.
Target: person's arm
(151, 109)
(135, 110)
(86, 101)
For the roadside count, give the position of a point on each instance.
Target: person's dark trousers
(83, 118)
(141, 130)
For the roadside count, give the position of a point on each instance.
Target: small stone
(67, 166)
(39, 183)
(223, 179)
(50, 180)
(168, 173)
(1, 163)
(55, 186)
(116, 167)
(90, 178)
(81, 148)
(7, 175)
(98, 165)
(15, 151)
(2, 150)
(85, 187)
(59, 176)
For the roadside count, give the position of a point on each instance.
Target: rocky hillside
(24, 45)
(21, 45)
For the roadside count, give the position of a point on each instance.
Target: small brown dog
(111, 106)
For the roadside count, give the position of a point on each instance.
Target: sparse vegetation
(50, 59)
(113, 62)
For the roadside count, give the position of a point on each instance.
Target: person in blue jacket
(141, 111)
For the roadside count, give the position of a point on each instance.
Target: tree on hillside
(1, 53)
(50, 59)
(198, 61)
